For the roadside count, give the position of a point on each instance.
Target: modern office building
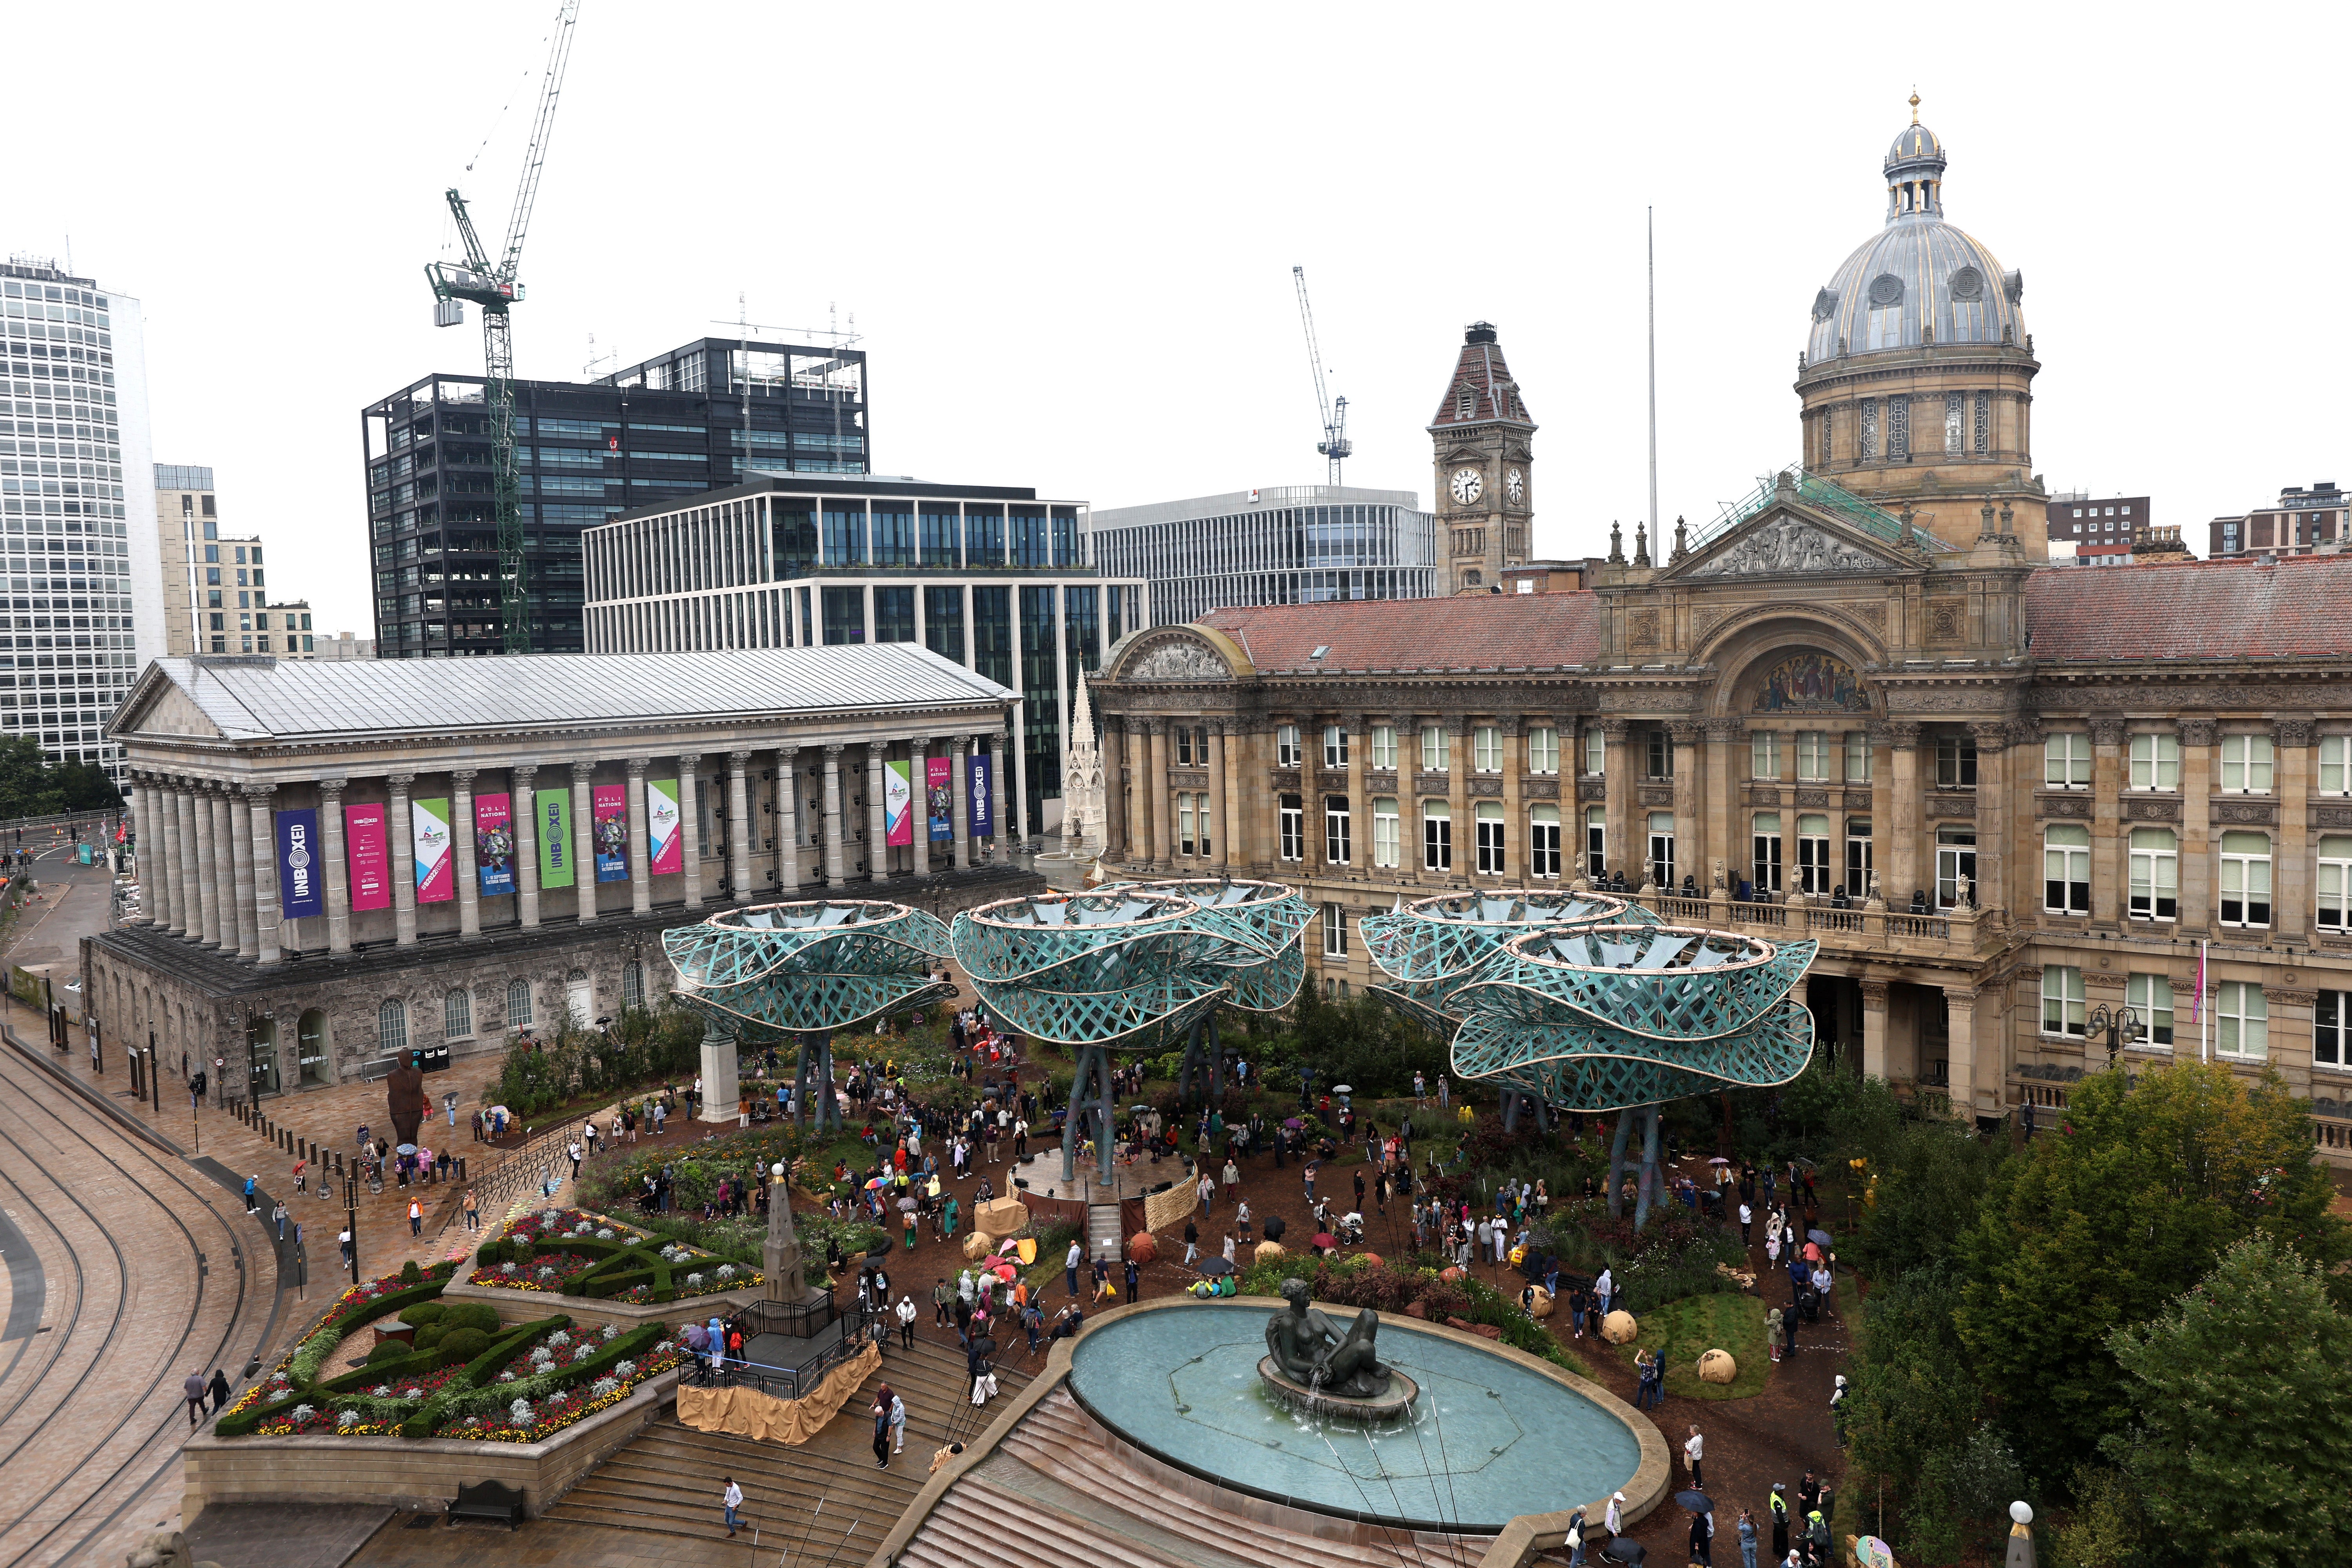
(84, 585)
(2103, 529)
(1293, 544)
(289, 626)
(990, 576)
(668, 427)
(2303, 518)
(343, 646)
(216, 581)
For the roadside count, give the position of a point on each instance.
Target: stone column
(206, 870)
(1690, 833)
(239, 917)
(404, 861)
(959, 785)
(1992, 890)
(192, 859)
(2198, 904)
(1874, 1029)
(878, 853)
(689, 825)
(738, 825)
(2109, 830)
(267, 909)
(526, 820)
(1221, 813)
(1155, 782)
(1905, 823)
(788, 822)
(2291, 863)
(223, 866)
(338, 873)
(1457, 797)
(641, 875)
(1114, 765)
(1004, 848)
(1515, 766)
(154, 895)
(834, 873)
(1882, 813)
(1624, 853)
(461, 846)
(163, 822)
(1312, 849)
(919, 809)
(1359, 799)
(1968, 1095)
(1137, 760)
(584, 840)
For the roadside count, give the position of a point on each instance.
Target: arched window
(392, 1027)
(633, 985)
(311, 1043)
(517, 1004)
(457, 1014)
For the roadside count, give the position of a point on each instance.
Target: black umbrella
(1696, 1500)
(1215, 1266)
(1818, 1237)
(1275, 1226)
(985, 1345)
(1625, 1550)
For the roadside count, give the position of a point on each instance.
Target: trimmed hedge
(462, 1345)
(497, 1397)
(302, 1369)
(484, 1369)
(423, 1315)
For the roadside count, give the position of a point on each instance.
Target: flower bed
(594, 1256)
(528, 1421)
(354, 1309)
(554, 1272)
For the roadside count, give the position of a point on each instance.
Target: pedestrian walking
(1694, 1455)
(1574, 1541)
(1603, 1289)
(1133, 1274)
(1779, 1511)
(1745, 1215)
(415, 1218)
(1774, 1335)
(277, 1218)
(220, 1390)
(882, 1427)
(1747, 1539)
(1614, 1521)
(731, 1499)
(1208, 1193)
(252, 1203)
(906, 1322)
(344, 1241)
(1312, 1166)
(1191, 1241)
(897, 1421)
(193, 1387)
(1701, 1538)
(1070, 1267)
(943, 1296)
(1837, 1411)
(473, 1211)
(572, 1149)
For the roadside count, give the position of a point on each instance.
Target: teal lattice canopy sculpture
(1264, 920)
(1600, 1018)
(808, 968)
(1431, 948)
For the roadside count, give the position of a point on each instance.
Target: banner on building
(982, 810)
(665, 847)
(553, 810)
(300, 894)
(371, 856)
(897, 803)
(437, 863)
(494, 844)
(611, 805)
(938, 789)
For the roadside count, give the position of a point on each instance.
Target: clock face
(1515, 485)
(1468, 484)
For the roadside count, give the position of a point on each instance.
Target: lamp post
(2120, 1024)
(351, 1219)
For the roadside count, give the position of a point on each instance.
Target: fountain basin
(1385, 1407)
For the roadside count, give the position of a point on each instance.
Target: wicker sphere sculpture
(1432, 948)
(811, 967)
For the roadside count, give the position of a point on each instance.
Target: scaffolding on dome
(800, 971)
(1586, 1002)
(1130, 967)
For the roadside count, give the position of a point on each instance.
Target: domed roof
(1919, 278)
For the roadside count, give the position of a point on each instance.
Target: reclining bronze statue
(1308, 1348)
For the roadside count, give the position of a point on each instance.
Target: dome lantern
(1915, 171)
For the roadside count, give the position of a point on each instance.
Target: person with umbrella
(1702, 1528)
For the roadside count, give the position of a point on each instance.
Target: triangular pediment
(1789, 539)
(159, 705)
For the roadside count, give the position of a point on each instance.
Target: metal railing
(800, 1381)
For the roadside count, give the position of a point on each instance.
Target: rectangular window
(1335, 746)
(1293, 827)
(2246, 765)
(1338, 846)
(1384, 747)
(1286, 746)
(2066, 868)
(1543, 841)
(1596, 841)
(2331, 1016)
(1436, 749)
(1764, 863)
(1490, 827)
(2149, 998)
(1955, 409)
(1436, 836)
(1956, 857)
(2336, 764)
(2066, 760)
(2242, 1021)
(1184, 841)
(2335, 882)
(1898, 427)
(1857, 756)
(1983, 424)
(1764, 755)
(2155, 874)
(1387, 842)
(1596, 750)
(1658, 754)
(1335, 932)
(1857, 856)
(2156, 762)
(1543, 749)
(1487, 748)
(2061, 1000)
(1866, 442)
(2246, 880)
(1812, 756)
(1956, 763)
(1184, 745)
(1813, 872)
(1662, 848)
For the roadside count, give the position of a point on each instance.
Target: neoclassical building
(2012, 801)
(342, 861)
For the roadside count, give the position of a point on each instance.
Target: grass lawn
(1681, 1331)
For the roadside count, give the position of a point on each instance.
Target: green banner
(553, 810)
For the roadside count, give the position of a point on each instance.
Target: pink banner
(371, 856)
(610, 803)
(939, 790)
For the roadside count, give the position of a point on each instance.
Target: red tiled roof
(1469, 631)
(2299, 607)
(1481, 370)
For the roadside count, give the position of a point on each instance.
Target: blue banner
(300, 864)
(983, 810)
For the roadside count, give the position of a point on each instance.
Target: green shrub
(426, 1338)
(483, 1369)
(462, 1345)
(422, 1313)
(491, 1253)
(479, 1315)
(410, 1274)
(388, 1349)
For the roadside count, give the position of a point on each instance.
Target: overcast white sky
(1067, 233)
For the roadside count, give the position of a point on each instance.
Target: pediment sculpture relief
(1786, 547)
(1179, 661)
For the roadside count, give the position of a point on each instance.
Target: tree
(2240, 1453)
(86, 787)
(2143, 1186)
(27, 787)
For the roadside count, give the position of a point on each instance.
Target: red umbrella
(1323, 1238)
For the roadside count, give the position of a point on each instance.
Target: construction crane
(1334, 445)
(492, 286)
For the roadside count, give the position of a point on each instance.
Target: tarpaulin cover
(748, 1413)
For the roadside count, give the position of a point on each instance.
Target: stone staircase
(1103, 1238)
(1081, 1497)
(823, 1500)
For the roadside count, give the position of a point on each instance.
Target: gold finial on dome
(1915, 106)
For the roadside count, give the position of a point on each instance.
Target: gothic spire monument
(1916, 375)
(1082, 775)
(1483, 436)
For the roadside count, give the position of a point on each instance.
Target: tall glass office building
(990, 576)
(1291, 545)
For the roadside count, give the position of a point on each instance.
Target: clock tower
(1485, 488)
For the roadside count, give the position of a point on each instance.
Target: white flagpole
(2204, 1020)
(1651, 223)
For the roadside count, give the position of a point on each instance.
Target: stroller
(1809, 1304)
(1349, 1231)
